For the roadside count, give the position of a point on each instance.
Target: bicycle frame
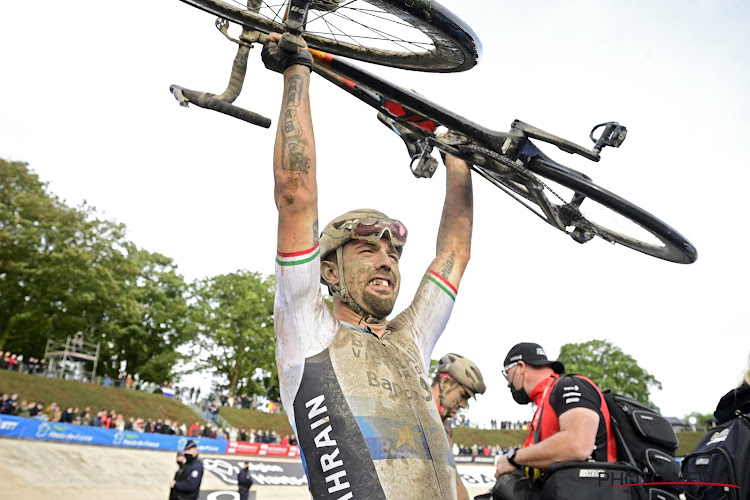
(512, 144)
(509, 160)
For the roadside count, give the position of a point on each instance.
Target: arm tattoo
(292, 144)
(448, 266)
(316, 236)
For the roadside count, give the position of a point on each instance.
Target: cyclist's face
(456, 399)
(372, 275)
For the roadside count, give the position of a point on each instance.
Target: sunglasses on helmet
(372, 229)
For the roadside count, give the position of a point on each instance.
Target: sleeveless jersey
(362, 406)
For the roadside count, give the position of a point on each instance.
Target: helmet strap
(343, 294)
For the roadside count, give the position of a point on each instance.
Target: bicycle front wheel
(613, 218)
(417, 35)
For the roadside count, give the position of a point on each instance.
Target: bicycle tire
(449, 45)
(674, 247)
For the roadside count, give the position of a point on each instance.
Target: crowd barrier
(29, 428)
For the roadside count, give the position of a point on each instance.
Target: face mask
(520, 396)
(189, 458)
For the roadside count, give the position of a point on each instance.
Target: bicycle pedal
(426, 166)
(613, 135)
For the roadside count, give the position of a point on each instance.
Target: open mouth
(381, 283)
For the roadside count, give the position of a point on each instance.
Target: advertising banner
(468, 459)
(262, 472)
(29, 428)
(262, 449)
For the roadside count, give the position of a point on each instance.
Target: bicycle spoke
(331, 31)
(383, 35)
(373, 13)
(341, 24)
(276, 17)
(361, 37)
(369, 12)
(329, 12)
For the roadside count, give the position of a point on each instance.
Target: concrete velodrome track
(42, 470)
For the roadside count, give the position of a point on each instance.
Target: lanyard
(537, 420)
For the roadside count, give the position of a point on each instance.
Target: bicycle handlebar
(209, 101)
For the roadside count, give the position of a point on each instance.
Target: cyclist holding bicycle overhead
(354, 384)
(457, 380)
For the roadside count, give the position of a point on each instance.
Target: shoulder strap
(538, 429)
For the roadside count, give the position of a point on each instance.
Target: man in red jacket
(571, 422)
(195, 430)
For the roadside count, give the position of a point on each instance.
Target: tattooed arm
(454, 235)
(296, 190)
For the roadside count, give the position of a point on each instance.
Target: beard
(377, 306)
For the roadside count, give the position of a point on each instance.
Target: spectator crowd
(10, 404)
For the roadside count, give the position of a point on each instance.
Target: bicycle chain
(566, 207)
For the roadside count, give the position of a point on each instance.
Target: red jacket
(550, 423)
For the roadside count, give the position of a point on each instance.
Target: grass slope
(144, 405)
(129, 403)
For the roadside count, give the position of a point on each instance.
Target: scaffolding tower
(70, 359)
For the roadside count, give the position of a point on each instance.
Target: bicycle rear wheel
(417, 35)
(615, 219)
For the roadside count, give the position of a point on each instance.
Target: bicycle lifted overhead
(422, 35)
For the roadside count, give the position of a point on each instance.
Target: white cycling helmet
(464, 371)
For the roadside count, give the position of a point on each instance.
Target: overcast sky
(84, 99)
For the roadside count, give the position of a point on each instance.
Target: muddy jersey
(362, 406)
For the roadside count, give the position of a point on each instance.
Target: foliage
(610, 368)
(64, 270)
(232, 325)
(433, 368)
(702, 420)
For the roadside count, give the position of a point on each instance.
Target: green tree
(64, 270)
(60, 266)
(433, 368)
(610, 368)
(701, 420)
(149, 345)
(232, 322)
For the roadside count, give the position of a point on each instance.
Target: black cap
(190, 445)
(532, 354)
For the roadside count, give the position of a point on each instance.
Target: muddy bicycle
(424, 36)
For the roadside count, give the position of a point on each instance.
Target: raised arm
(454, 235)
(296, 190)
